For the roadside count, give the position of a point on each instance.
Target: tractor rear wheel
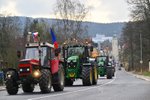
(59, 86)
(87, 76)
(27, 87)
(95, 75)
(109, 73)
(45, 81)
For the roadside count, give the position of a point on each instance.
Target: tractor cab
(36, 57)
(102, 61)
(41, 53)
(74, 52)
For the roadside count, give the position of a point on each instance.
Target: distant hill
(108, 29)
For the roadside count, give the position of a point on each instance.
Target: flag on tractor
(53, 38)
(35, 36)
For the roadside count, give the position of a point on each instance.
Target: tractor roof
(102, 56)
(77, 45)
(41, 44)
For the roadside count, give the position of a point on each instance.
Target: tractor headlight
(8, 76)
(36, 73)
(21, 69)
(28, 69)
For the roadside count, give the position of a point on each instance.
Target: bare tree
(140, 9)
(140, 14)
(72, 13)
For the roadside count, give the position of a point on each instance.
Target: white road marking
(37, 98)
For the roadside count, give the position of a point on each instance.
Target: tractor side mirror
(19, 54)
(91, 48)
(57, 51)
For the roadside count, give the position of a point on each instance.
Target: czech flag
(35, 36)
(53, 39)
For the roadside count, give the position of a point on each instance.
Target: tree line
(135, 40)
(69, 14)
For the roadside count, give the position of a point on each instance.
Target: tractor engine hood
(26, 66)
(29, 61)
(73, 59)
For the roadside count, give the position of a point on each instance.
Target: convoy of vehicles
(42, 65)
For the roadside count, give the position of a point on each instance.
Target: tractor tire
(11, 87)
(68, 82)
(11, 83)
(95, 76)
(45, 81)
(87, 76)
(27, 87)
(109, 74)
(113, 74)
(59, 86)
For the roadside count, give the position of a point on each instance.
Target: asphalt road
(122, 87)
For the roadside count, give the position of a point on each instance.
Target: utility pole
(141, 52)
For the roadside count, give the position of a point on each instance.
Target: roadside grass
(146, 74)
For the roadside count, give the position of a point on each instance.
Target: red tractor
(41, 65)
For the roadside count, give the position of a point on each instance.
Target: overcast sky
(102, 11)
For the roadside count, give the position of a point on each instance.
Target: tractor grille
(72, 64)
(24, 70)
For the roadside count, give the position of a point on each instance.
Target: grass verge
(146, 74)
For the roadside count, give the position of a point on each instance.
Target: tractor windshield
(99, 59)
(73, 51)
(33, 53)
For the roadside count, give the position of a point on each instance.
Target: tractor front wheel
(68, 82)
(11, 83)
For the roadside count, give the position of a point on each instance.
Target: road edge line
(37, 98)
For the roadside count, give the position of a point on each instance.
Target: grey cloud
(3, 3)
(118, 8)
(34, 7)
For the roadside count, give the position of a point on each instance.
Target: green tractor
(105, 67)
(77, 65)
